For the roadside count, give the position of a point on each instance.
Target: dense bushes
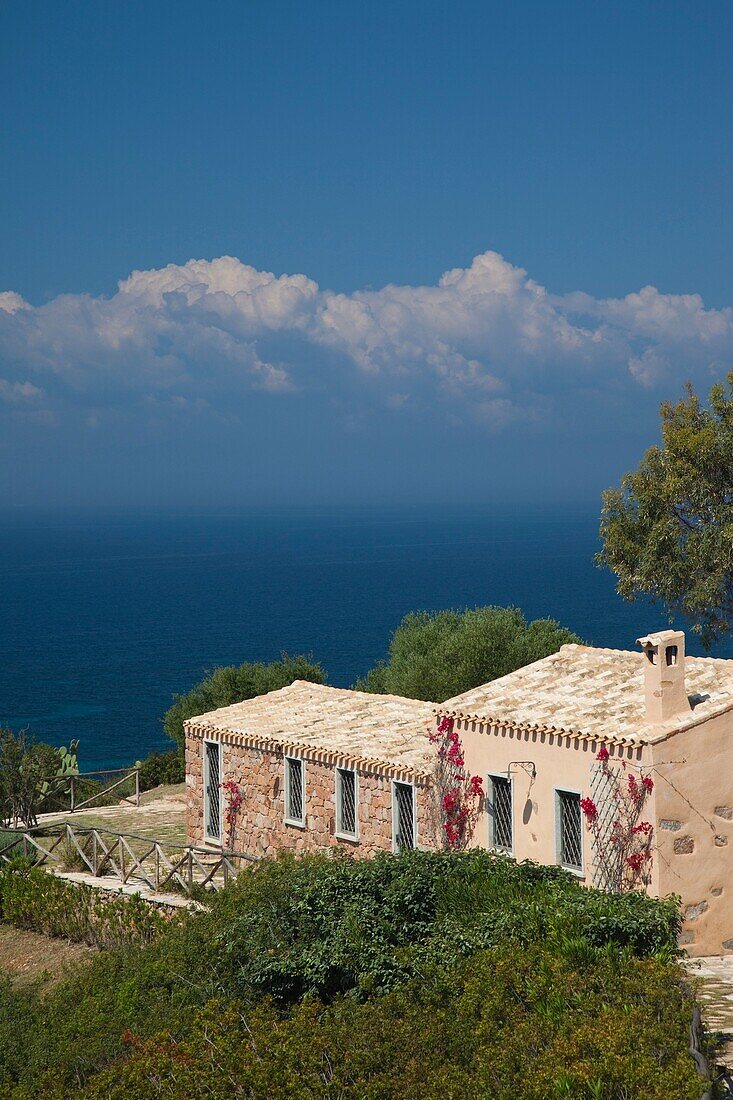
(419, 974)
(162, 767)
(32, 898)
(504, 1026)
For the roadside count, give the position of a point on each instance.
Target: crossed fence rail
(77, 790)
(127, 857)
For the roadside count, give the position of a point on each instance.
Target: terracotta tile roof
(381, 730)
(598, 693)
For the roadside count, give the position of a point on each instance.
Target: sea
(104, 618)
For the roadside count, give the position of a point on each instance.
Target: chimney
(665, 694)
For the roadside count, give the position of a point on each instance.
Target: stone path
(715, 977)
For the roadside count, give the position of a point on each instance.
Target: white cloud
(10, 302)
(487, 343)
(18, 392)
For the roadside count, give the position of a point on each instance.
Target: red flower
(602, 754)
(589, 808)
(644, 827)
(648, 783)
(450, 799)
(445, 725)
(477, 784)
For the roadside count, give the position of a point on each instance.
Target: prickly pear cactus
(69, 764)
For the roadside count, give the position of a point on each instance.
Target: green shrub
(422, 974)
(502, 1026)
(162, 767)
(35, 899)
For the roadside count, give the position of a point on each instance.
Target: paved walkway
(715, 976)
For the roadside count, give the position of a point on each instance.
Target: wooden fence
(72, 792)
(126, 858)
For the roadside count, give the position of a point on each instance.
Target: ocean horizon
(103, 619)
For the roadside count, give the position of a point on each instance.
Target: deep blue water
(102, 620)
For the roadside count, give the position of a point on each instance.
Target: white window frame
(579, 872)
(299, 823)
(208, 838)
(340, 834)
(395, 812)
(494, 847)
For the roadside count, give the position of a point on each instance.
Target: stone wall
(261, 829)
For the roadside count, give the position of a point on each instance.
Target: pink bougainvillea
(234, 796)
(622, 842)
(456, 795)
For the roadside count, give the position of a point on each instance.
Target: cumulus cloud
(486, 342)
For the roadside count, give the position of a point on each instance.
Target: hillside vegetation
(419, 974)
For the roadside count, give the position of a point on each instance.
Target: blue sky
(553, 159)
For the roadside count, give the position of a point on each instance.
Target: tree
(436, 655)
(667, 530)
(234, 684)
(26, 766)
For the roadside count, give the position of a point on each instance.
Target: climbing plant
(456, 795)
(621, 840)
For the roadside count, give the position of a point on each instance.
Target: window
(671, 654)
(294, 791)
(501, 823)
(212, 790)
(346, 802)
(569, 830)
(403, 816)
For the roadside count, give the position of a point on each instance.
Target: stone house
(320, 767)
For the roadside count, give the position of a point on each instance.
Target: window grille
(571, 830)
(500, 813)
(346, 801)
(294, 802)
(213, 791)
(404, 819)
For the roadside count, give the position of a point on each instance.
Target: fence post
(72, 793)
(137, 787)
(190, 870)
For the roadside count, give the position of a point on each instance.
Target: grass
(30, 958)
(161, 816)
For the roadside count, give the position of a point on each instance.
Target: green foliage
(501, 1026)
(667, 530)
(162, 767)
(24, 765)
(234, 684)
(436, 655)
(32, 898)
(421, 974)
